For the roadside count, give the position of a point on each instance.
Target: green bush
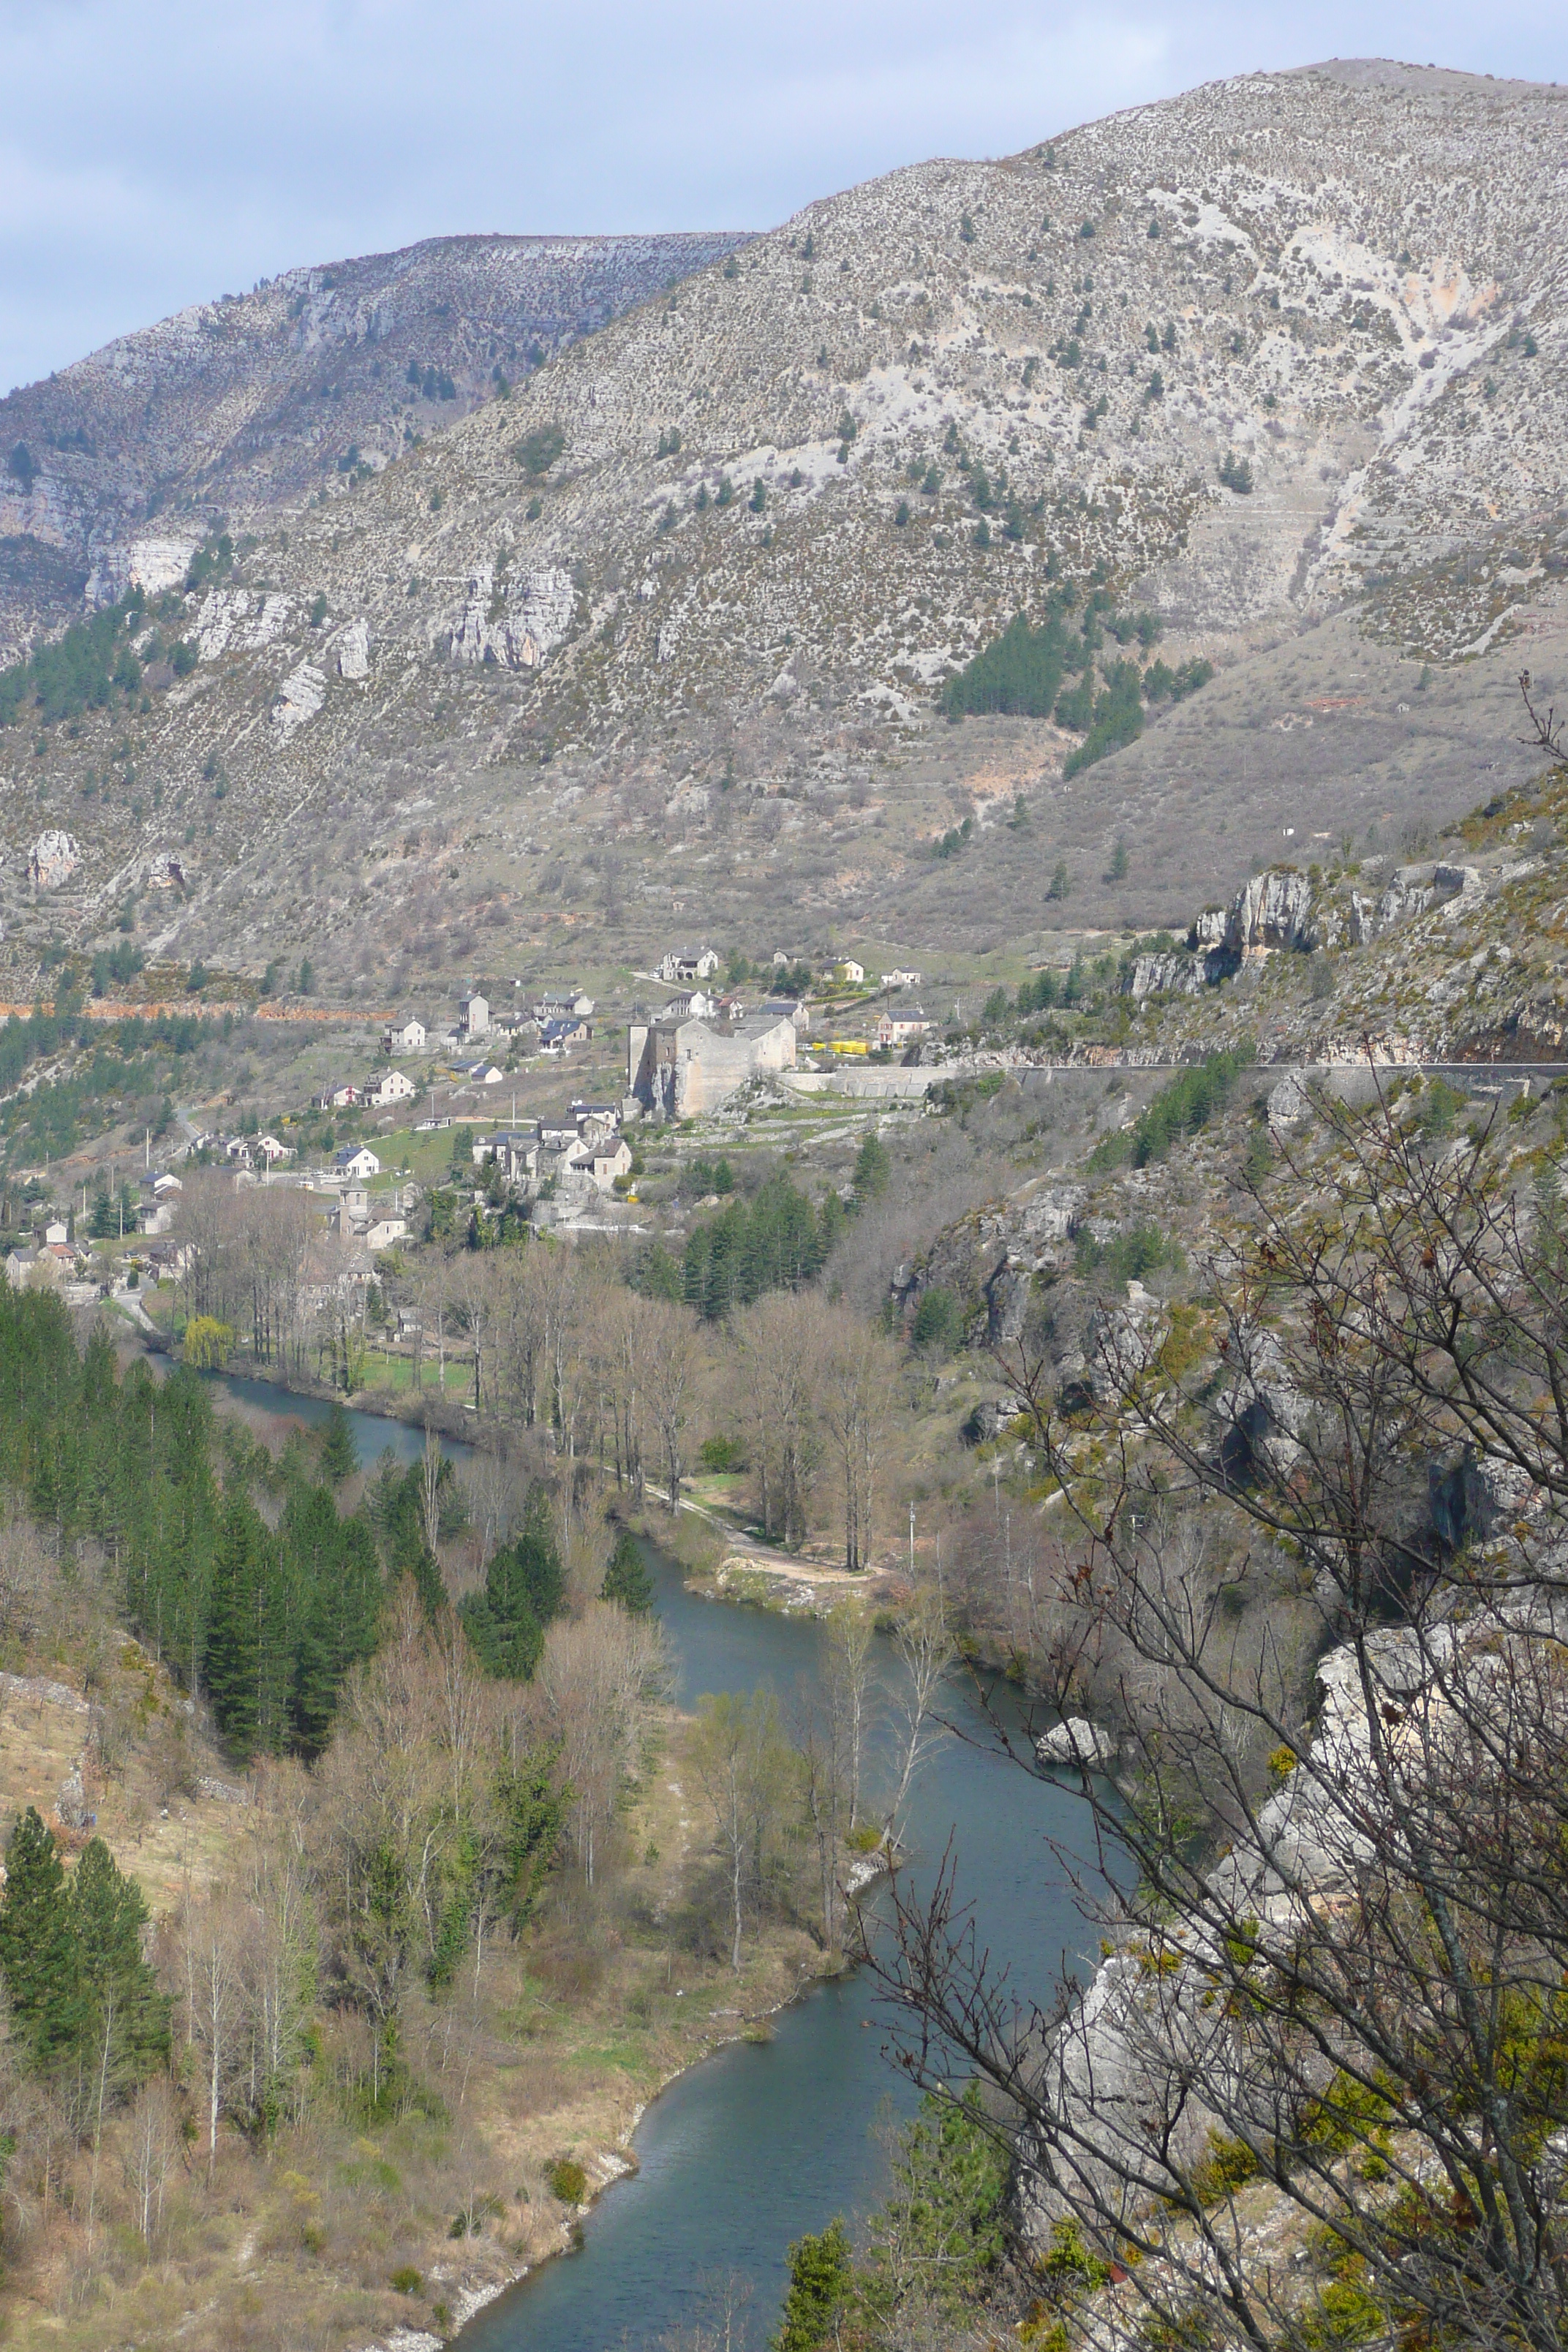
(538, 450)
(1129, 1257)
(566, 2179)
(1229, 2165)
(407, 2280)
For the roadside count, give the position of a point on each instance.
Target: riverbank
(722, 1562)
(544, 2058)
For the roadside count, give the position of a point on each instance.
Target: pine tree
(626, 1580)
(36, 1942)
(233, 1644)
(872, 1169)
(819, 2279)
(523, 1590)
(116, 1997)
(339, 1457)
(429, 1583)
(531, 1810)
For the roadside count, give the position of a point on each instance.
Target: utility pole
(911, 1543)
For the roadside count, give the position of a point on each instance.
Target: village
(416, 1146)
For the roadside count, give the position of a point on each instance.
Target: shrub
(538, 450)
(1129, 1257)
(1229, 2165)
(566, 2179)
(407, 2280)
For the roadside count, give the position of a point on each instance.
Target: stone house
(391, 1086)
(789, 1008)
(678, 1069)
(565, 1004)
(602, 1162)
(357, 1159)
(687, 964)
(901, 1028)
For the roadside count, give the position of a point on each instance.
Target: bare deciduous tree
(1359, 1999)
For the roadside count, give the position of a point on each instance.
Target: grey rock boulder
(1075, 1740)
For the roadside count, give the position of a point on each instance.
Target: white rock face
(52, 859)
(1288, 1102)
(353, 650)
(518, 626)
(300, 698)
(1075, 1740)
(1406, 896)
(150, 564)
(1166, 976)
(1269, 911)
(234, 616)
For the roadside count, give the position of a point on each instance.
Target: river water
(765, 2141)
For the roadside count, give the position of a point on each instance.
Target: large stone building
(678, 1069)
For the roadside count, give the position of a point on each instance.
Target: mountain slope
(1343, 287)
(257, 397)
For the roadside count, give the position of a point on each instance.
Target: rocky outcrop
(300, 698)
(1267, 1415)
(1125, 2076)
(1288, 1102)
(353, 650)
(517, 625)
(1121, 1344)
(52, 859)
(1166, 976)
(71, 1806)
(1270, 912)
(1075, 1740)
(240, 620)
(1405, 895)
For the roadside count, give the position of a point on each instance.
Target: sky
(155, 152)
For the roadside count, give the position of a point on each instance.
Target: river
(765, 2140)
